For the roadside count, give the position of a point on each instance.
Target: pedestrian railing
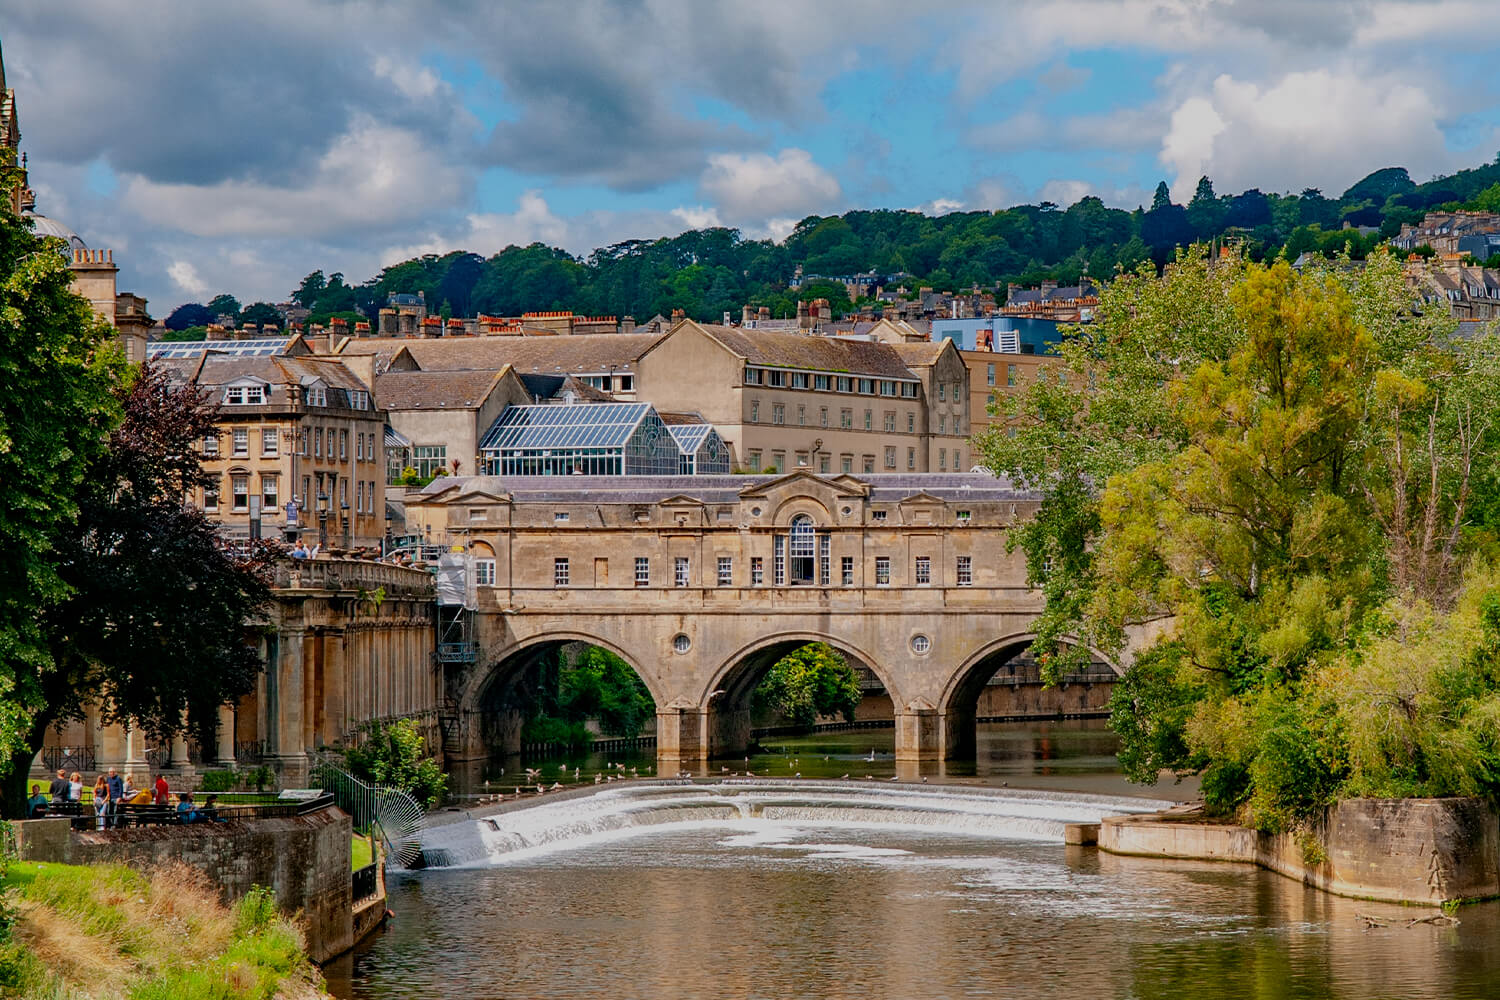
(393, 814)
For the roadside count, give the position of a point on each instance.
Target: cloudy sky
(236, 147)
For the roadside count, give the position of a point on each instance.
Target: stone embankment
(303, 858)
(1422, 851)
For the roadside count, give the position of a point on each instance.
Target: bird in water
(895, 777)
(556, 785)
(797, 775)
(871, 759)
(597, 779)
(533, 773)
(869, 776)
(844, 776)
(924, 779)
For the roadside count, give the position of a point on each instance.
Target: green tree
(152, 626)
(259, 314)
(597, 684)
(58, 369)
(225, 304)
(811, 681)
(395, 754)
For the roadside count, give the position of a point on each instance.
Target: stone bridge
(700, 583)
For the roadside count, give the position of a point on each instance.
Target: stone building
(830, 404)
(300, 446)
(94, 271)
(443, 414)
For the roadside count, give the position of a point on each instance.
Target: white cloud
(1323, 128)
(185, 275)
(757, 187)
(939, 206)
(697, 217)
(372, 176)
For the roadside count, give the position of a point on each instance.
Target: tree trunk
(14, 786)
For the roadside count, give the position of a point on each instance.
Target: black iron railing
(541, 751)
(823, 727)
(85, 818)
(68, 758)
(365, 884)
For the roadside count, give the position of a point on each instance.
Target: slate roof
(422, 390)
(584, 353)
(215, 369)
(971, 486)
(811, 353)
(921, 353)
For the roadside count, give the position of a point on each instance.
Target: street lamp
(344, 514)
(322, 515)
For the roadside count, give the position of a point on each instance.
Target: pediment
(246, 380)
(922, 498)
(477, 496)
(799, 480)
(681, 500)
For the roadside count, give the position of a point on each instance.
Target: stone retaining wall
(303, 859)
(1397, 850)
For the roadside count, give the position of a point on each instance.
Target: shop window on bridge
(882, 571)
(778, 560)
(726, 571)
(559, 572)
(757, 571)
(680, 571)
(965, 571)
(824, 543)
(846, 570)
(924, 570)
(642, 571)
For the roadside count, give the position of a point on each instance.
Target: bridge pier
(919, 734)
(681, 738)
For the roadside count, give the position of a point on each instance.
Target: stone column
(225, 749)
(284, 708)
(135, 757)
(109, 745)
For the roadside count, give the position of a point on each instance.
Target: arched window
(801, 549)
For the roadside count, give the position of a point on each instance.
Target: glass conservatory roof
(582, 425)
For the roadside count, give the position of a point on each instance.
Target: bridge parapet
(339, 575)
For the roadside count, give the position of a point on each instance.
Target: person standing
(101, 802)
(116, 796)
(58, 790)
(75, 788)
(161, 789)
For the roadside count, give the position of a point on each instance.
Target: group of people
(111, 792)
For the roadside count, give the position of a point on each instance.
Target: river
(868, 888)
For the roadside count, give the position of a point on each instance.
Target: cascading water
(569, 823)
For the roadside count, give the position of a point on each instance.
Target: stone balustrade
(351, 575)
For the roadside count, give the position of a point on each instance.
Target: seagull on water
(870, 759)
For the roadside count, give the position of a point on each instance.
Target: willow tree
(1259, 466)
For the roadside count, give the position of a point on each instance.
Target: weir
(537, 826)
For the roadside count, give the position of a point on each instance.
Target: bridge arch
(489, 716)
(727, 695)
(963, 688)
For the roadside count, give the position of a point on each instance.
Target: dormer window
(245, 395)
(317, 395)
(359, 400)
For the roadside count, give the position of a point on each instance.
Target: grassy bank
(84, 931)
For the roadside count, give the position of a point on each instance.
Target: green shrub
(217, 781)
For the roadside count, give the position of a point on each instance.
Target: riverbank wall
(304, 859)
(1420, 851)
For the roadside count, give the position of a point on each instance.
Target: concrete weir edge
(1414, 851)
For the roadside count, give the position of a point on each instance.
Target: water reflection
(816, 913)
